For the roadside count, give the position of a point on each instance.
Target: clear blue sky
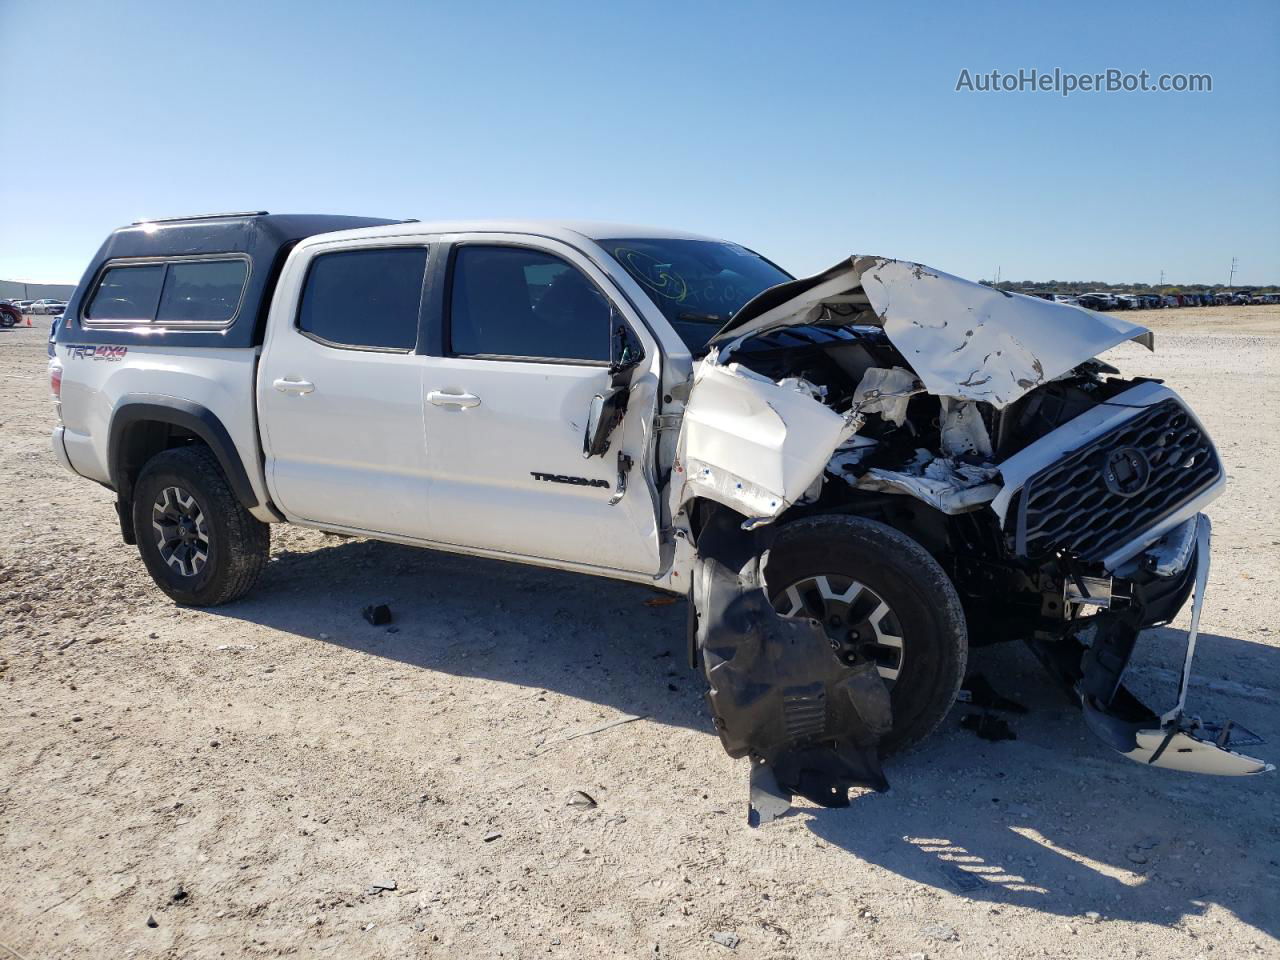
(805, 130)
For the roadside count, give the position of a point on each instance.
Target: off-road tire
(935, 640)
(238, 541)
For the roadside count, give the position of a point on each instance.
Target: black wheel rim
(859, 623)
(182, 535)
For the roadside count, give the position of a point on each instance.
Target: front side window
(365, 298)
(697, 284)
(518, 302)
(127, 294)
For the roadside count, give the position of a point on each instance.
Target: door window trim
(361, 247)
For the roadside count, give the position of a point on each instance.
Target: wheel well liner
(132, 443)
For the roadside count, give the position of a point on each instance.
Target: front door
(527, 331)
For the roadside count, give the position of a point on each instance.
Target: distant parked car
(1127, 301)
(1063, 298)
(1097, 301)
(10, 315)
(47, 306)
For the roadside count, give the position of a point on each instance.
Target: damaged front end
(1062, 500)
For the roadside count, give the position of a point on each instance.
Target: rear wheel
(199, 543)
(880, 597)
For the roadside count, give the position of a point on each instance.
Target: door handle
(294, 386)
(441, 399)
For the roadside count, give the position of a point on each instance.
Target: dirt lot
(277, 777)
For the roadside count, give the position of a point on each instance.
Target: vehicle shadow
(1052, 821)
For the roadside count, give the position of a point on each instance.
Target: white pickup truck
(853, 476)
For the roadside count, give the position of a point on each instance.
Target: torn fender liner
(963, 339)
(810, 723)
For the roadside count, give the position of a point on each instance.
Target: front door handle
(294, 386)
(441, 399)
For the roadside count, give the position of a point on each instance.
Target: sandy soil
(277, 777)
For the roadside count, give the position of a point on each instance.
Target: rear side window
(127, 294)
(516, 302)
(364, 298)
(206, 291)
(174, 292)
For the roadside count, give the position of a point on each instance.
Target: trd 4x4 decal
(575, 481)
(87, 351)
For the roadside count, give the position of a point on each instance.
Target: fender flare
(201, 421)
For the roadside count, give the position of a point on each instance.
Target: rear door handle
(441, 399)
(294, 386)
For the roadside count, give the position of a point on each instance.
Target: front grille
(1072, 506)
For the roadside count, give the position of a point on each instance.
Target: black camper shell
(257, 244)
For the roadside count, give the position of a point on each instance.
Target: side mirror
(606, 413)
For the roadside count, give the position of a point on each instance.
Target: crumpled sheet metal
(810, 723)
(886, 391)
(946, 484)
(752, 444)
(962, 339)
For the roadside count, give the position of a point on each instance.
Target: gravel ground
(277, 777)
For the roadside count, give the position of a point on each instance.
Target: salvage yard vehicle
(10, 315)
(854, 476)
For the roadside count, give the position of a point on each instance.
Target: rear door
(340, 388)
(525, 346)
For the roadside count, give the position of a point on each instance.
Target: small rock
(179, 894)
(1092, 915)
(153, 636)
(215, 743)
(726, 939)
(377, 614)
(938, 931)
(1136, 856)
(151, 922)
(490, 837)
(581, 800)
(76, 718)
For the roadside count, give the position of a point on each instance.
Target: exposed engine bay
(1062, 500)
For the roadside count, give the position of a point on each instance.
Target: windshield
(697, 284)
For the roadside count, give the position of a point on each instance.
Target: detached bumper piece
(1173, 740)
(779, 695)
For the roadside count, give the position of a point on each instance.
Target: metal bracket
(624, 467)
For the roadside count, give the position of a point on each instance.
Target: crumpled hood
(962, 339)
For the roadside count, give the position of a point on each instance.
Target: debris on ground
(381, 886)
(726, 939)
(490, 837)
(988, 726)
(581, 800)
(180, 893)
(377, 614)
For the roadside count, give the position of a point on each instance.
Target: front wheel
(880, 597)
(199, 543)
